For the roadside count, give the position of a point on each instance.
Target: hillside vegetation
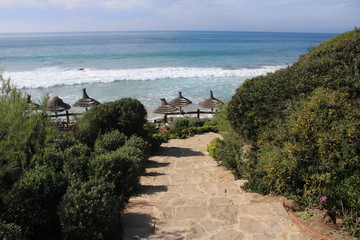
(298, 130)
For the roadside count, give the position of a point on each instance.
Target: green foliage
(229, 154)
(53, 158)
(261, 100)
(126, 115)
(180, 122)
(63, 143)
(76, 161)
(214, 147)
(346, 196)
(37, 169)
(137, 155)
(197, 122)
(140, 143)
(156, 140)
(89, 210)
(23, 134)
(184, 132)
(118, 169)
(32, 201)
(314, 148)
(109, 141)
(303, 124)
(9, 231)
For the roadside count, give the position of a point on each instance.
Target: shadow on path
(150, 189)
(178, 152)
(154, 164)
(153, 174)
(141, 226)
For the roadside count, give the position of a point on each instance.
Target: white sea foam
(49, 77)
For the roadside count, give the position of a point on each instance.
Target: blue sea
(146, 65)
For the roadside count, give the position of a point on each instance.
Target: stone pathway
(186, 195)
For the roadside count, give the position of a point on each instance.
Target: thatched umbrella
(30, 103)
(57, 105)
(180, 101)
(210, 102)
(165, 108)
(86, 101)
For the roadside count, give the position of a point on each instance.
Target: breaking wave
(55, 76)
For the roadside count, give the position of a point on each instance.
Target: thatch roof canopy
(180, 101)
(86, 101)
(210, 102)
(57, 105)
(165, 107)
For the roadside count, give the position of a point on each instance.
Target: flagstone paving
(185, 194)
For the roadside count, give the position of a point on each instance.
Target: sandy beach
(185, 194)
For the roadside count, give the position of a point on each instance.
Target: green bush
(10, 231)
(197, 122)
(31, 203)
(136, 155)
(180, 122)
(118, 169)
(185, 132)
(126, 115)
(76, 162)
(345, 196)
(140, 143)
(214, 147)
(63, 143)
(109, 141)
(156, 140)
(90, 210)
(211, 121)
(53, 158)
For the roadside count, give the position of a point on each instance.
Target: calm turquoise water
(146, 65)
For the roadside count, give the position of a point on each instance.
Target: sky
(324, 16)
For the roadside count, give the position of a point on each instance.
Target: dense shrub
(90, 210)
(76, 162)
(64, 142)
(10, 231)
(118, 169)
(135, 155)
(180, 122)
(229, 154)
(140, 143)
(156, 140)
(126, 115)
(197, 122)
(213, 147)
(314, 148)
(53, 158)
(109, 141)
(31, 203)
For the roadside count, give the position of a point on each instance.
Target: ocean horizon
(146, 65)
